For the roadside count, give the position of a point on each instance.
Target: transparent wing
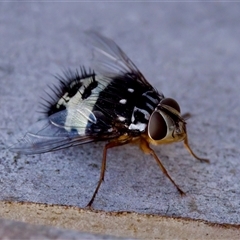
(44, 136)
(55, 133)
(109, 58)
(76, 117)
(77, 124)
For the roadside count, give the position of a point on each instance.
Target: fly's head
(166, 124)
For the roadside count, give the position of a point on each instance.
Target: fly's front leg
(144, 145)
(191, 151)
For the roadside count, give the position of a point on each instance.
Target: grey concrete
(189, 51)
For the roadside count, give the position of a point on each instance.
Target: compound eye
(157, 127)
(171, 103)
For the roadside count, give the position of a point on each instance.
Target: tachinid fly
(116, 104)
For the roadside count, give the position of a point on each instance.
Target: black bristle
(69, 81)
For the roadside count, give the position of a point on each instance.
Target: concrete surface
(189, 51)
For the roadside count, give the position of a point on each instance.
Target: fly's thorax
(166, 124)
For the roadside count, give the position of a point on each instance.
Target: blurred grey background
(189, 51)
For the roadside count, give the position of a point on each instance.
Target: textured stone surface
(189, 51)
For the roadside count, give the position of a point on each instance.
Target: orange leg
(145, 148)
(103, 168)
(191, 151)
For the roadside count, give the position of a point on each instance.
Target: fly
(116, 104)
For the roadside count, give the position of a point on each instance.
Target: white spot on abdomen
(130, 90)
(123, 101)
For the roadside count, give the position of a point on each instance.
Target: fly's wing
(89, 119)
(69, 127)
(129, 95)
(110, 60)
(45, 136)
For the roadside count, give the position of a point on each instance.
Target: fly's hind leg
(146, 149)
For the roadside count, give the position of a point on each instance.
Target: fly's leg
(191, 151)
(146, 149)
(102, 173)
(103, 167)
